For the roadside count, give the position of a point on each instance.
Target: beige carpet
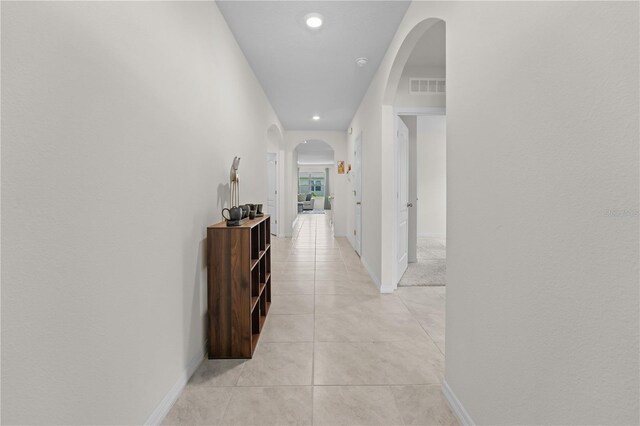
(431, 268)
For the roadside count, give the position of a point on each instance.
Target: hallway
(334, 350)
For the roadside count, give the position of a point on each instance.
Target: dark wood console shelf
(239, 286)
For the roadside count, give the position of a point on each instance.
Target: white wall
(119, 124)
(289, 188)
(337, 140)
(542, 225)
(351, 200)
(366, 123)
(431, 159)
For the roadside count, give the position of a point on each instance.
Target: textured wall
(432, 176)
(542, 227)
(119, 124)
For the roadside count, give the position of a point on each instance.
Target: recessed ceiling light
(313, 20)
(316, 117)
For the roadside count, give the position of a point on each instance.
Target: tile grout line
(319, 385)
(395, 402)
(226, 406)
(313, 344)
(309, 228)
(420, 324)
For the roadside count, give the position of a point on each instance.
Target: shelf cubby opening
(256, 326)
(267, 291)
(263, 270)
(268, 261)
(261, 230)
(254, 342)
(268, 232)
(255, 243)
(255, 282)
(255, 321)
(263, 308)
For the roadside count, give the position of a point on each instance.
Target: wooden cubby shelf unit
(239, 286)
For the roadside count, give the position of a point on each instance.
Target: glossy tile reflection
(334, 351)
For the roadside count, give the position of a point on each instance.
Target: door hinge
(275, 221)
(276, 192)
(354, 232)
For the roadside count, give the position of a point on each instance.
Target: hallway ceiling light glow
(316, 117)
(313, 20)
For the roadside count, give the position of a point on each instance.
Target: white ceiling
(314, 152)
(306, 72)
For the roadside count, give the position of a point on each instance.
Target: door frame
(396, 112)
(357, 192)
(397, 273)
(270, 156)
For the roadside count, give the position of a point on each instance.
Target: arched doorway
(420, 104)
(414, 153)
(315, 167)
(414, 191)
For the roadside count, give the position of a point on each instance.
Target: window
(311, 182)
(304, 186)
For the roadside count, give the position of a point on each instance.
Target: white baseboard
(456, 405)
(170, 398)
(387, 289)
(429, 235)
(373, 276)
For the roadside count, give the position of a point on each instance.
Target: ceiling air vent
(427, 86)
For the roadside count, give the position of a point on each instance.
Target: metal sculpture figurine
(234, 177)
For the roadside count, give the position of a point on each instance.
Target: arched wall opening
(315, 169)
(420, 107)
(413, 111)
(274, 137)
(406, 49)
(502, 216)
(337, 142)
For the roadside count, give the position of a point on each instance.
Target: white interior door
(402, 196)
(357, 192)
(272, 190)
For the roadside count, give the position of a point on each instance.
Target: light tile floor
(334, 351)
